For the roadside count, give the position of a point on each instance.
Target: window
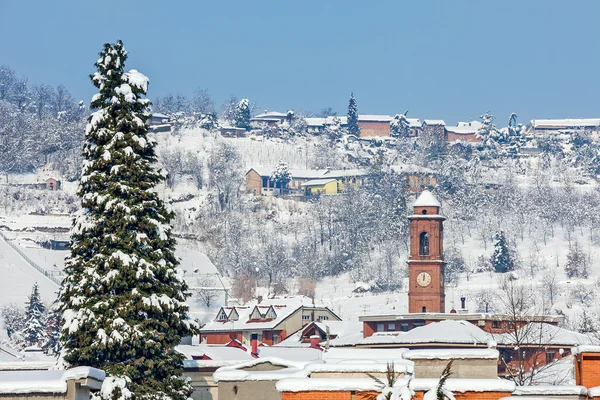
(275, 338)
(404, 327)
(496, 325)
(380, 328)
(306, 318)
(424, 244)
(424, 309)
(549, 358)
(418, 324)
(222, 316)
(323, 317)
(391, 327)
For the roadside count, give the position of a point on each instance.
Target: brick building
(271, 321)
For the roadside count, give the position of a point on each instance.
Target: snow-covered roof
(315, 121)
(271, 114)
(560, 372)
(327, 384)
(283, 307)
(159, 115)
(238, 372)
(347, 355)
(317, 182)
(369, 384)
(369, 367)
(290, 353)
(448, 354)
(22, 365)
(340, 173)
(339, 328)
(550, 390)
(295, 173)
(594, 391)
(585, 349)
(411, 169)
(374, 118)
(434, 122)
(536, 333)
(349, 339)
(413, 122)
(465, 128)
(447, 332)
(53, 381)
(565, 123)
(345, 333)
(214, 352)
(426, 199)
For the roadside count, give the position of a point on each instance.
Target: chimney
(254, 341)
(314, 342)
(462, 303)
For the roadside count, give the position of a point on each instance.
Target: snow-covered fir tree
(282, 176)
(122, 300)
(242, 114)
(353, 127)
(334, 130)
(13, 318)
(577, 262)
(491, 138)
(502, 259)
(34, 329)
(399, 126)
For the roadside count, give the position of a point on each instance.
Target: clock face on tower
(423, 279)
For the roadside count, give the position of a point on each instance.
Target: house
(434, 127)
(325, 331)
(71, 384)
(270, 118)
(374, 125)
(270, 321)
(317, 125)
(232, 131)
(464, 132)
(158, 119)
(417, 178)
(540, 126)
(52, 184)
(258, 181)
(320, 186)
(415, 126)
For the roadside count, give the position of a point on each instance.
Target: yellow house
(320, 186)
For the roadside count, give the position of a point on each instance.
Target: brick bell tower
(426, 261)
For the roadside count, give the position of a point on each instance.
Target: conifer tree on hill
(502, 259)
(122, 301)
(34, 330)
(242, 114)
(353, 127)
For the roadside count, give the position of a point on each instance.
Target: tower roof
(427, 199)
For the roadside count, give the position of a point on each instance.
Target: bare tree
(207, 293)
(224, 168)
(243, 286)
(202, 103)
(525, 333)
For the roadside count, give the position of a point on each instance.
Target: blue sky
(440, 59)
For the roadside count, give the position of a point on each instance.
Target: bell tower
(426, 260)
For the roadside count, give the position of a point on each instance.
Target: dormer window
(271, 313)
(222, 315)
(256, 315)
(233, 315)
